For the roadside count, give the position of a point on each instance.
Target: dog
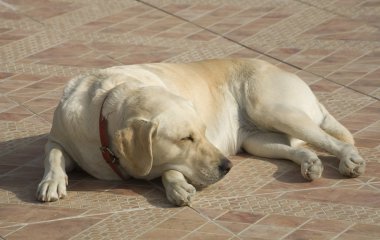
(182, 121)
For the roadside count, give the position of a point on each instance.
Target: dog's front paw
(311, 168)
(351, 164)
(52, 188)
(180, 193)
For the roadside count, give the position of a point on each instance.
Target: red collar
(108, 155)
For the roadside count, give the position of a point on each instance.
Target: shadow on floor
(22, 170)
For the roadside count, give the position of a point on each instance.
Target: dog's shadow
(22, 169)
(288, 172)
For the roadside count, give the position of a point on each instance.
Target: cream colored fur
(179, 121)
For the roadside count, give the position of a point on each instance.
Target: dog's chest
(224, 131)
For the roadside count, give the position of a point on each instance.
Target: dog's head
(166, 133)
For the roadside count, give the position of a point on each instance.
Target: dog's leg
(277, 145)
(334, 128)
(54, 182)
(298, 125)
(178, 190)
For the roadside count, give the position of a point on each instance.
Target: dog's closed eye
(188, 138)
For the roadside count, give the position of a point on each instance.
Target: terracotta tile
(176, 7)
(4, 169)
(354, 197)
(15, 159)
(212, 228)
(265, 232)
(4, 75)
(324, 86)
(283, 53)
(202, 36)
(4, 231)
(49, 11)
(211, 213)
(14, 117)
(56, 230)
(62, 51)
(335, 25)
(28, 172)
(208, 236)
(364, 229)
(368, 134)
(282, 221)
(367, 143)
(350, 236)
(345, 77)
(365, 85)
(27, 214)
(188, 213)
(163, 234)
(181, 224)
(42, 104)
(130, 190)
(10, 15)
(11, 85)
(326, 225)
(332, 62)
(241, 217)
(308, 57)
(353, 124)
(147, 57)
(235, 227)
(307, 234)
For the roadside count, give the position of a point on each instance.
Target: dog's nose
(225, 166)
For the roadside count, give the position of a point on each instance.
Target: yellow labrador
(180, 121)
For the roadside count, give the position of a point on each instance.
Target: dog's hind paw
(352, 164)
(311, 169)
(52, 188)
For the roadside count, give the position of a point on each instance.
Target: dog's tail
(331, 126)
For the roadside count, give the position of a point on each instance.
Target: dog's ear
(134, 145)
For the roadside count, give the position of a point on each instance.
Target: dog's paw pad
(352, 165)
(311, 169)
(180, 194)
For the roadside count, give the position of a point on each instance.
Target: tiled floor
(334, 45)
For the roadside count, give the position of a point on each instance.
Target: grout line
(91, 226)
(8, 5)
(256, 223)
(80, 216)
(166, 218)
(8, 234)
(214, 222)
(370, 125)
(297, 228)
(194, 230)
(339, 234)
(213, 32)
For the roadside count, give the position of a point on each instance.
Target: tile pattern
(334, 45)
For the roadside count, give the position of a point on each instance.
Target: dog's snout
(225, 166)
